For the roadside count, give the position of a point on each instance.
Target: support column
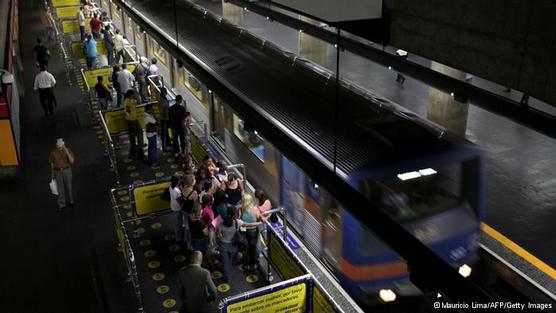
(232, 13)
(312, 48)
(443, 108)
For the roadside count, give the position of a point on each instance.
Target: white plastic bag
(53, 187)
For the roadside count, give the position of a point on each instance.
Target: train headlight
(387, 295)
(465, 270)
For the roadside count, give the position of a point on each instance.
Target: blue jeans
(227, 252)
(151, 150)
(91, 62)
(103, 103)
(119, 97)
(178, 229)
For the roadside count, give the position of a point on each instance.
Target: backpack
(152, 128)
(188, 204)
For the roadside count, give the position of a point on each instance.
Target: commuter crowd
(217, 220)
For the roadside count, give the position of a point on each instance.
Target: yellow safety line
(547, 269)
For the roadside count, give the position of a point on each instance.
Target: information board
(147, 198)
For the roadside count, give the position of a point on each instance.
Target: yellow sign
(67, 12)
(105, 72)
(147, 198)
(286, 265)
(77, 49)
(91, 75)
(72, 26)
(321, 304)
(65, 3)
(197, 150)
(291, 299)
(116, 122)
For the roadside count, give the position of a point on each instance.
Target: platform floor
(520, 166)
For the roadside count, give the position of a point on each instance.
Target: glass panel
(116, 16)
(417, 194)
(218, 121)
(129, 29)
(156, 50)
(199, 90)
(249, 137)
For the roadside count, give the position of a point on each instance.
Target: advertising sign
(289, 296)
(147, 198)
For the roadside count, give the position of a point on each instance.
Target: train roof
(300, 96)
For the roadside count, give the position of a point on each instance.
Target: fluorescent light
(387, 295)
(409, 175)
(427, 171)
(465, 270)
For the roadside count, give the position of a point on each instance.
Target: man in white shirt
(81, 19)
(44, 83)
(125, 79)
(151, 129)
(118, 46)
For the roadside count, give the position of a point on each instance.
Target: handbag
(165, 196)
(53, 187)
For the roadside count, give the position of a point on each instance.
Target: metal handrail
(243, 171)
(111, 149)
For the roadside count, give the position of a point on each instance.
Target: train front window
(417, 194)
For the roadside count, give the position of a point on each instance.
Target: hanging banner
(283, 258)
(65, 3)
(77, 49)
(116, 122)
(289, 296)
(72, 26)
(67, 12)
(147, 198)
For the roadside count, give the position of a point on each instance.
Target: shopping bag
(53, 187)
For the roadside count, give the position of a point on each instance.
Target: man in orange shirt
(61, 160)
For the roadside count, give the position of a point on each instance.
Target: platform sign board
(65, 3)
(283, 258)
(279, 228)
(147, 198)
(78, 51)
(198, 151)
(116, 122)
(67, 12)
(288, 296)
(72, 26)
(321, 303)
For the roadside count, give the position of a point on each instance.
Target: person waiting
(196, 289)
(199, 231)
(250, 216)
(151, 129)
(228, 236)
(104, 94)
(135, 131)
(90, 48)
